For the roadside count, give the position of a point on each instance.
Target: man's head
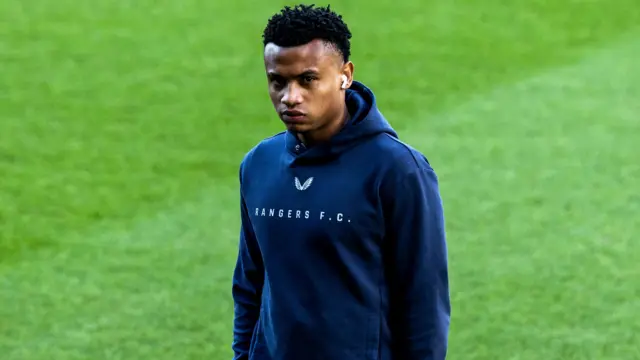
(306, 57)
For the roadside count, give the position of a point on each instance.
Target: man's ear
(347, 75)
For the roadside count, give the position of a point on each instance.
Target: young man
(342, 250)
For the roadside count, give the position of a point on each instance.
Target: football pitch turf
(122, 125)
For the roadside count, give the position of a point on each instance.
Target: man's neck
(326, 132)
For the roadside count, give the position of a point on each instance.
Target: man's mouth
(293, 116)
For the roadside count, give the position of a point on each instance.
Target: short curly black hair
(304, 23)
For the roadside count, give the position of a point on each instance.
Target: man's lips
(293, 116)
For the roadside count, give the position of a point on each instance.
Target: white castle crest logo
(304, 186)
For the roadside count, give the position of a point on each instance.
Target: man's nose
(292, 95)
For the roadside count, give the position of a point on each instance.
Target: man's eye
(308, 79)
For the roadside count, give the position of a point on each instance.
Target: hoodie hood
(365, 122)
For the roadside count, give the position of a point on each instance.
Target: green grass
(122, 125)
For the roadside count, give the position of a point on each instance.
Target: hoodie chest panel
(309, 207)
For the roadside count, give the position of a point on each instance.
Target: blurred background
(123, 123)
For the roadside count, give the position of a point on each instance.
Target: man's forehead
(314, 54)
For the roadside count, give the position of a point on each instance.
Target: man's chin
(298, 127)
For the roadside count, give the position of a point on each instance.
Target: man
(342, 250)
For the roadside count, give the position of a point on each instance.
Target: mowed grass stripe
(540, 249)
(157, 290)
(542, 214)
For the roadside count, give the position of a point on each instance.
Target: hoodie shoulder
(263, 150)
(400, 158)
(402, 167)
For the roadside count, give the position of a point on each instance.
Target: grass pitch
(122, 125)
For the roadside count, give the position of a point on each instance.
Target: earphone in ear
(344, 81)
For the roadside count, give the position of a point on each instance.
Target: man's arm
(248, 279)
(418, 268)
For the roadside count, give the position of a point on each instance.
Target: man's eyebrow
(272, 75)
(275, 74)
(309, 72)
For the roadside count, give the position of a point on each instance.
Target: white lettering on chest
(300, 214)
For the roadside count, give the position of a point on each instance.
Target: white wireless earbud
(344, 81)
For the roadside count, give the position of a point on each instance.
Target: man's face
(305, 84)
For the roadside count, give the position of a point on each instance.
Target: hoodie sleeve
(247, 282)
(418, 269)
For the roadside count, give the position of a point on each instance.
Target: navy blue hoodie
(342, 250)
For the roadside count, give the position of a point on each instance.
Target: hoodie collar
(365, 121)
